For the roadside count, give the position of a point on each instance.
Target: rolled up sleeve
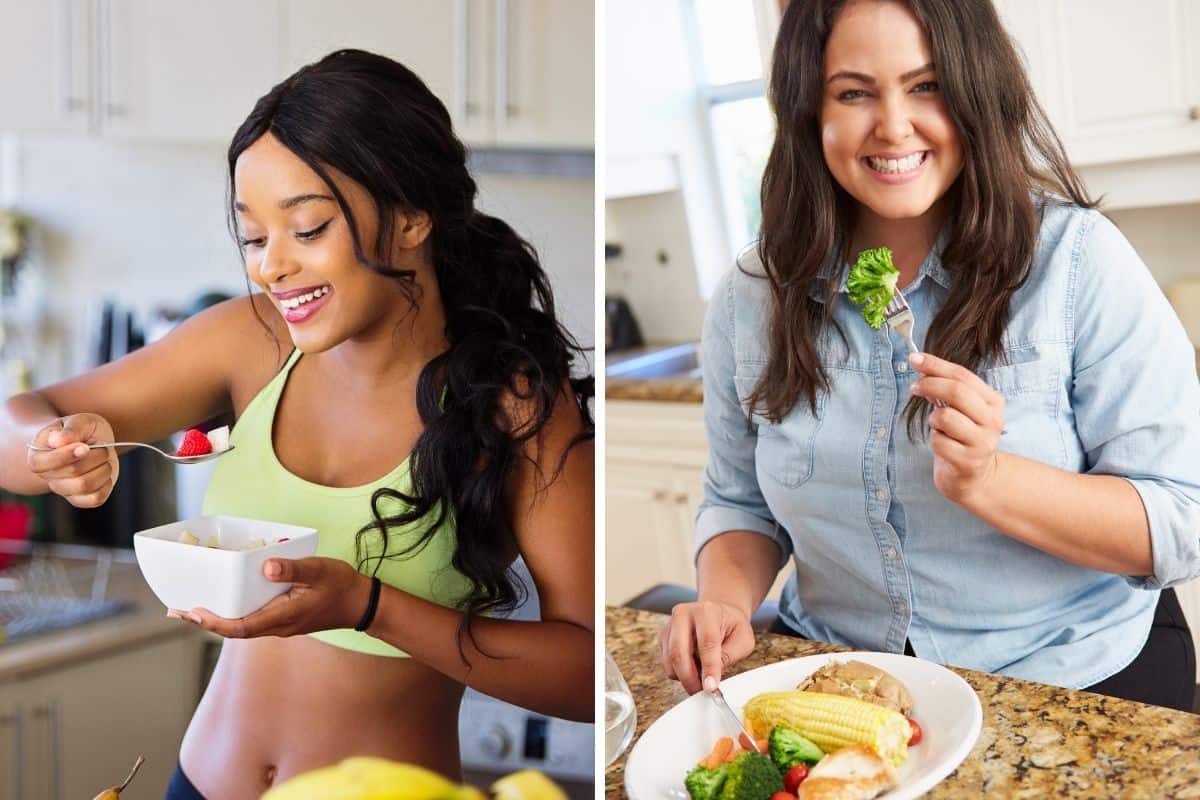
(732, 500)
(1136, 397)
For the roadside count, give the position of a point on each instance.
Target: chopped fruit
(219, 438)
(187, 538)
(214, 542)
(195, 443)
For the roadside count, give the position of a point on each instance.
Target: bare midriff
(278, 707)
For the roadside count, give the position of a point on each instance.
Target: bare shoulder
(251, 340)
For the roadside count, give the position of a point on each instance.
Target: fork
(169, 456)
(899, 317)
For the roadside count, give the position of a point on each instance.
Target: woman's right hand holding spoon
(85, 477)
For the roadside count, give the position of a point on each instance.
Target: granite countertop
(146, 621)
(662, 390)
(1037, 740)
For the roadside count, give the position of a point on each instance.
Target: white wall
(144, 224)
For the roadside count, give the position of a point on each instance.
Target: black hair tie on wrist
(372, 604)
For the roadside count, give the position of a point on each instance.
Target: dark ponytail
(509, 359)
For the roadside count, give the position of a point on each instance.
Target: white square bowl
(228, 582)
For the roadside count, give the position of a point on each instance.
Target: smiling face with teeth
(886, 133)
(299, 250)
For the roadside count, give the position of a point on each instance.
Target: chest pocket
(1033, 394)
(784, 452)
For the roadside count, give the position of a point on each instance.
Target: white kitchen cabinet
(1120, 81)
(176, 70)
(511, 72)
(434, 40)
(545, 66)
(77, 730)
(167, 70)
(649, 527)
(45, 61)
(656, 454)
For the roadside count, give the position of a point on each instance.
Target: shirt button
(879, 495)
(902, 608)
(891, 553)
(902, 366)
(880, 432)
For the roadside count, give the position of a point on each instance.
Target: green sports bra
(251, 482)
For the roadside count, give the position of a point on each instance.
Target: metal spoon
(169, 456)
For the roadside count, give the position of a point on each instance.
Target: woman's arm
(180, 380)
(546, 666)
(1096, 521)
(1135, 401)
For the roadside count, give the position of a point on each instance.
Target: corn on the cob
(831, 721)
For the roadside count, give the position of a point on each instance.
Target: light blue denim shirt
(1099, 377)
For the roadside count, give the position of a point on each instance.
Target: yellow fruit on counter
(364, 778)
(527, 785)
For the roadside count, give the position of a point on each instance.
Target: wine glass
(620, 714)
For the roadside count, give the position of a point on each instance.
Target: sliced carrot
(720, 750)
(762, 745)
(734, 752)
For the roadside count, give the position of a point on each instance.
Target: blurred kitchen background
(114, 120)
(687, 132)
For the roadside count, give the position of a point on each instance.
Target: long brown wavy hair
(1010, 153)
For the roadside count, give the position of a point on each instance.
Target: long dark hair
(1010, 152)
(376, 122)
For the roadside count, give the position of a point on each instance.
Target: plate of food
(846, 725)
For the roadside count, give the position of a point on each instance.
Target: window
(732, 44)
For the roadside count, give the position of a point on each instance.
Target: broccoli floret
(703, 783)
(872, 282)
(789, 748)
(752, 776)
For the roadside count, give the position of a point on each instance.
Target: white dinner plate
(944, 705)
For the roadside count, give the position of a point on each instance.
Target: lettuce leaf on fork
(872, 283)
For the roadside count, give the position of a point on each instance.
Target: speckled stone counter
(663, 390)
(1037, 741)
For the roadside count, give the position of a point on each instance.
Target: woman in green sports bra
(402, 384)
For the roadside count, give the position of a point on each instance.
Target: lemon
(527, 785)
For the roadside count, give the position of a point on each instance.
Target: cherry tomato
(783, 796)
(916, 732)
(794, 777)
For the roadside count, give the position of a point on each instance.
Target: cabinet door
(45, 58)
(88, 723)
(643, 543)
(545, 73)
(444, 43)
(176, 70)
(1129, 78)
(10, 743)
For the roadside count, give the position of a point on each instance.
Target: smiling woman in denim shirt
(1017, 498)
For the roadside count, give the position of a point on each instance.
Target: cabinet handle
(71, 103)
(1194, 113)
(111, 110)
(50, 712)
(681, 498)
(504, 105)
(659, 494)
(463, 10)
(17, 723)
